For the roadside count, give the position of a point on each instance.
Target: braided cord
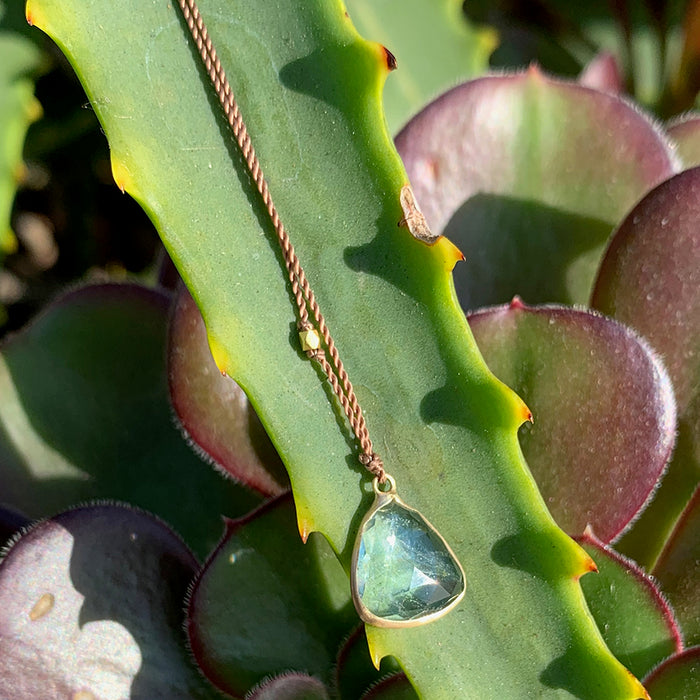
(301, 290)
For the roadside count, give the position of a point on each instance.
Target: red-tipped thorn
(304, 532)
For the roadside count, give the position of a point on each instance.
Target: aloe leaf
(91, 606)
(291, 686)
(678, 678)
(214, 411)
(678, 570)
(633, 616)
(21, 61)
(265, 602)
(310, 87)
(593, 465)
(85, 414)
(685, 132)
(510, 169)
(650, 280)
(435, 46)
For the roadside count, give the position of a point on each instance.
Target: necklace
(403, 573)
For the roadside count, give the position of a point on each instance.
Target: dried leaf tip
(592, 567)
(391, 62)
(413, 218)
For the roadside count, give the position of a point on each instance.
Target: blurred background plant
(571, 194)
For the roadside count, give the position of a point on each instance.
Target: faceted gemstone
(404, 568)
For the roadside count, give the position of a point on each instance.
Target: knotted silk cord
(301, 290)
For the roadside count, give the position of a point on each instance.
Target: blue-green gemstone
(404, 569)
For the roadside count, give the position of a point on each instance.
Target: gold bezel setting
(381, 500)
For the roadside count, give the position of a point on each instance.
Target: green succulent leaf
(650, 280)
(583, 376)
(214, 411)
(85, 414)
(633, 617)
(309, 88)
(685, 133)
(528, 176)
(265, 602)
(678, 678)
(678, 570)
(429, 62)
(91, 606)
(21, 60)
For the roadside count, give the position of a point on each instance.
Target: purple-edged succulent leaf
(678, 570)
(528, 176)
(213, 410)
(290, 686)
(650, 280)
(91, 606)
(685, 133)
(636, 622)
(85, 414)
(603, 73)
(678, 678)
(604, 415)
(396, 687)
(267, 603)
(354, 670)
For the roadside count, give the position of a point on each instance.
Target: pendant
(403, 572)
